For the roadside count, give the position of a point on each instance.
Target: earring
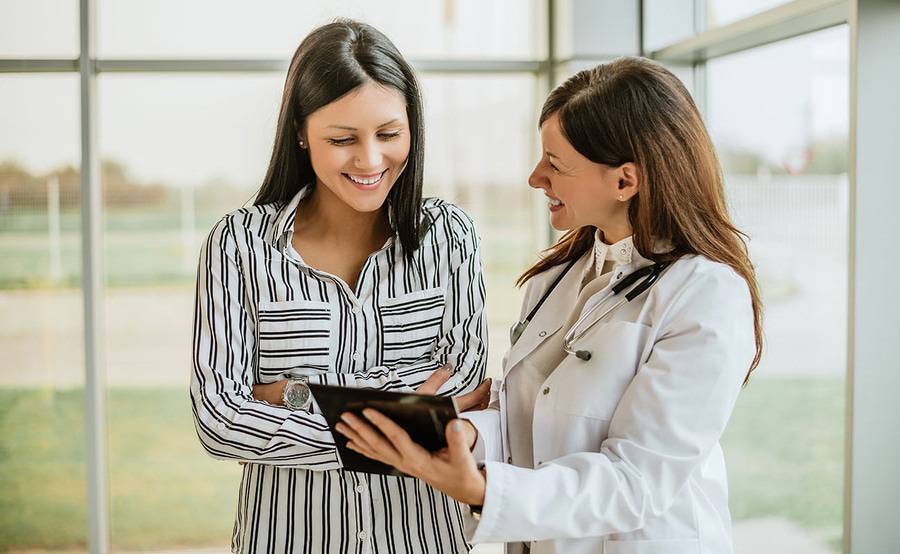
(302, 143)
(621, 197)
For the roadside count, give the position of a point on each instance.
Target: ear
(629, 181)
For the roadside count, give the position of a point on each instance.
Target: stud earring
(302, 143)
(621, 197)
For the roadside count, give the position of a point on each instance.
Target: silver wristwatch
(296, 395)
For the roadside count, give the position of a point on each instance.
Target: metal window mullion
(92, 292)
(780, 23)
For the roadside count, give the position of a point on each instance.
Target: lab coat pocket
(592, 388)
(670, 546)
(411, 325)
(294, 334)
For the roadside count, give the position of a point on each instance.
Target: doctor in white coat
(603, 434)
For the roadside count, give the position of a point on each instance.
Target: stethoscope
(650, 275)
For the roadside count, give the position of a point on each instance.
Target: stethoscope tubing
(650, 274)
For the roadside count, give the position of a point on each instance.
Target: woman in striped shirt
(339, 274)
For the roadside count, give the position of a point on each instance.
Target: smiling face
(581, 192)
(358, 145)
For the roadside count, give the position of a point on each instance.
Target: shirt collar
(284, 222)
(620, 253)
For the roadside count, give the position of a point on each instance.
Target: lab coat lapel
(552, 314)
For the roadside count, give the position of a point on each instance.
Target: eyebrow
(346, 128)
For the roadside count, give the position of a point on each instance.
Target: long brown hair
(635, 110)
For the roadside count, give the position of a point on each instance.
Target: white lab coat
(626, 445)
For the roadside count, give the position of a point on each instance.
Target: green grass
(164, 491)
(784, 449)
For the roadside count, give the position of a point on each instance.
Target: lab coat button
(546, 390)
(542, 334)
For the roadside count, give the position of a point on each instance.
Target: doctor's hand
(478, 399)
(452, 470)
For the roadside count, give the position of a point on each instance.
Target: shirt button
(619, 276)
(360, 488)
(221, 426)
(542, 334)
(546, 390)
(362, 535)
(356, 356)
(356, 310)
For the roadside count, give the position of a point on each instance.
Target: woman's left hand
(452, 470)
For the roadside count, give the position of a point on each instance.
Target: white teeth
(369, 181)
(554, 202)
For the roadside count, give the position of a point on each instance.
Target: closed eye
(340, 141)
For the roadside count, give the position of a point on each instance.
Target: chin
(560, 223)
(366, 203)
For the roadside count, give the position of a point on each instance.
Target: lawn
(784, 449)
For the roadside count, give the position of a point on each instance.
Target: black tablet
(423, 416)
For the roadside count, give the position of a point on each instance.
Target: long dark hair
(635, 110)
(331, 61)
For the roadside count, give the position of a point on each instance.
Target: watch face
(297, 395)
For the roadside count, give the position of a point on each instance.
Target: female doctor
(638, 329)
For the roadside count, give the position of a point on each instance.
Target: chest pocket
(294, 334)
(411, 325)
(593, 388)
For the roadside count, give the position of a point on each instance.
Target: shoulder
(235, 227)
(701, 288)
(446, 222)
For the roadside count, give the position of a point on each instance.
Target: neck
(614, 232)
(322, 215)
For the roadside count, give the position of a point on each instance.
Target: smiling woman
(339, 274)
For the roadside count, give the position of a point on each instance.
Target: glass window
(667, 21)
(39, 29)
(196, 148)
(785, 159)
(42, 372)
(449, 28)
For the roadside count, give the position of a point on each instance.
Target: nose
(369, 155)
(537, 179)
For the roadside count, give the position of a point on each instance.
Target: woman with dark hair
(339, 274)
(639, 328)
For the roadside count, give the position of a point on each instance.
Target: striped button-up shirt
(262, 314)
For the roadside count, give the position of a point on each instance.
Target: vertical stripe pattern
(262, 314)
